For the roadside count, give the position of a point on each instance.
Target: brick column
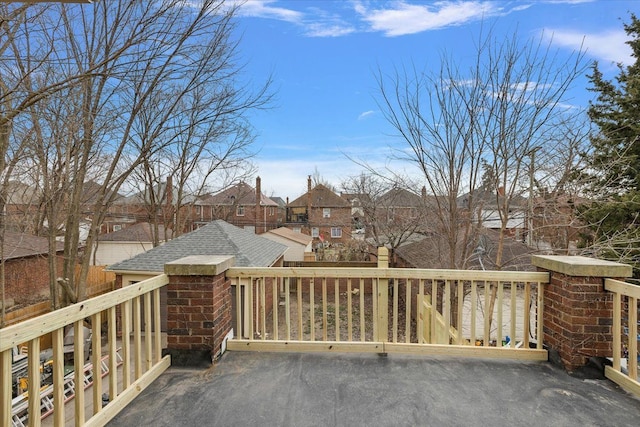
(198, 308)
(578, 311)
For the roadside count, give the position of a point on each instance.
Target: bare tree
(209, 139)
(434, 115)
(110, 62)
(497, 112)
(385, 211)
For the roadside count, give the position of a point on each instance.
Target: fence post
(383, 297)
(578, 311)
(383, 257)
(198, 308)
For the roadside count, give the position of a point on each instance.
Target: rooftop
(216, 238)
(289, 234)
(286, 389)
(21, 245)
(139, 232)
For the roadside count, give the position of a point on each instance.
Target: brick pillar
(578, 311)
(198, 308)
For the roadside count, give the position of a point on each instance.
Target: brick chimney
(308, 198)
(258, 214)
(169, 202)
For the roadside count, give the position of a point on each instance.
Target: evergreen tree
(614, 160)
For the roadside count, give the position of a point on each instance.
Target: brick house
(154, 206)
(241, 205)
(26, 260)
(320, 213)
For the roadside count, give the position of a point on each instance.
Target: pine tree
(614, 159)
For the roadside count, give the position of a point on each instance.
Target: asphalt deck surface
(285, 389)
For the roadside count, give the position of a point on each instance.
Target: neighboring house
(359, 203)
(555, 224)
(242, 206)
(24, 210)
(429, 252)
(401, 205)
(26, 259)
(391, 218)
(21, 207)
(299, 244)
(126, 243)
(216, 238)
(320, 213)
(155, 206)
(487, 202)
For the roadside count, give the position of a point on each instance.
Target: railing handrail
(389, 273)
(385, 322)
(46, 323)
(629, 379)
(623, 288)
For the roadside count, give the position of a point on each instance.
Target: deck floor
(285, 389)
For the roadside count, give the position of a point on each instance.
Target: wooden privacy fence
(625, 334)
(98, 282)
(141, 357)
(382, 310)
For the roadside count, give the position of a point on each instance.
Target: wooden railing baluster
(514, 320)
(287, 304)
(500, 314)
(349, 312)
(275, 298)
(324, 309)
(312, 311)
(34, 381)
(336, 291)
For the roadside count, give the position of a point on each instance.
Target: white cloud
(406, 18)
(607, 47)
(327, 30)
(569, 1)
(366, 114)
(263, 9)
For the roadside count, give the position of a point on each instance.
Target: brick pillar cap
(580, 266)
(199, 265)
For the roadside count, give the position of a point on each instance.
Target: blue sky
(323, 56)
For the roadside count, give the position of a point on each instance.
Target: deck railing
(390, 310)
(135, 307)
(625, 325)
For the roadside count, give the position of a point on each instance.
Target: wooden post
(383, 257)
(383, 297)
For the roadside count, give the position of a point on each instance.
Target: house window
(297, 230)
(117, 227)
(336, 232)
(271, 211)
(315, 232)
(326, 212)
(240, 210)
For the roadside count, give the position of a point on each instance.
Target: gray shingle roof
(321, 197)
(216, 238)
(21, 245)
(140, 232)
